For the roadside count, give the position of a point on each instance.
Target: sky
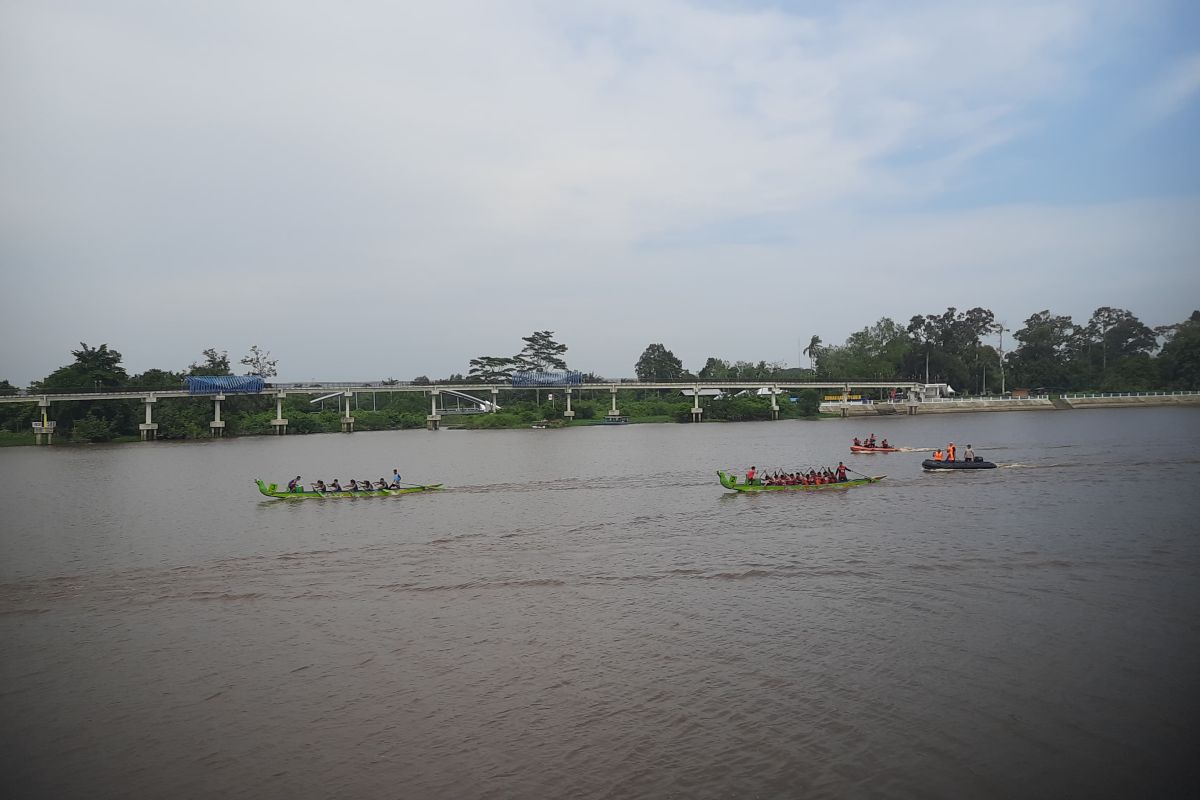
(375, 190)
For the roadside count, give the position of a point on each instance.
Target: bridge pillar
(434, 420)
(614, 412)
(774, 402)
(279, 423)
(846, 400)
(495, 400)
(347, 419)
(697, 411)
(43, 429)
(568, 414)
(149, 428)
(216, 428)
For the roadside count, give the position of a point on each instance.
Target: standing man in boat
(294, 485)
(968, 454)
(841, 472)
(950, 452)
(395, 478)
(750, 475)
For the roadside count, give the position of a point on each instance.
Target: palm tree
(812, 351)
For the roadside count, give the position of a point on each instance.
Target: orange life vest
(937, 455)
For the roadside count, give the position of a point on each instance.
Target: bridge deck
(357, 388)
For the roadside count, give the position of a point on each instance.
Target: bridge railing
(1085, 395)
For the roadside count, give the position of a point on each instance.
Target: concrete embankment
(1134, 401)
(1023, 404)
(948, 407)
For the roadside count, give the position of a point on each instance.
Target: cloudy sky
(388, 189)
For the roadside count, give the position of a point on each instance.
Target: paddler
(857, 443)
(395, 478)
(294, 485)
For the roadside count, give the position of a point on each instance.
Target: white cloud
(1173, 89)
(461, 173)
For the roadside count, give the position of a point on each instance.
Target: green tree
(813, 351)
(92, 429)
(1043, 357)
(491, 369)
(1179, 361)
(1111, 335)
(716, 369)
(950, 344)
(808, 403)
(94, 369)
(658, 364)
(7, 389)
(259, 362)
(156, 379)
(541, 352)
(874, 353)
(214, 363)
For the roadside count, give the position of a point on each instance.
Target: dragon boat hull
(855, 448)
(730, 482)
(934, 466)
(273, 490)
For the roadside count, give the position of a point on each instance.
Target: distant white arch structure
(484, 405)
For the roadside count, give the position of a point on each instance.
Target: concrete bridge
(44, 428)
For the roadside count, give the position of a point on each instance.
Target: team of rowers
(813, 477)
(296, 485)
(870, 442)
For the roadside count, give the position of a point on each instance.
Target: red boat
(858, 448)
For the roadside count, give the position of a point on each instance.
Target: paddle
(856, 472)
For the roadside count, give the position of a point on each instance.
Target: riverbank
(1065, 402)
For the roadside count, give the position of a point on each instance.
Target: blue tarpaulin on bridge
(224, 384)
(547, 378)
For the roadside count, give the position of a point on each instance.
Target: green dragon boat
(273, 490)
(730, 482)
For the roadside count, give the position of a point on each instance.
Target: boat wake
(1019, 465)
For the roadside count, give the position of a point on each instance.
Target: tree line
(1112, 351)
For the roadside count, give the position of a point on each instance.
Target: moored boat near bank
(273, 490)
(931, 465)
(730, 482)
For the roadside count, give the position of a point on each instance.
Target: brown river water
(586, 613)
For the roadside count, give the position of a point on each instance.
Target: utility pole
(1002, 330)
